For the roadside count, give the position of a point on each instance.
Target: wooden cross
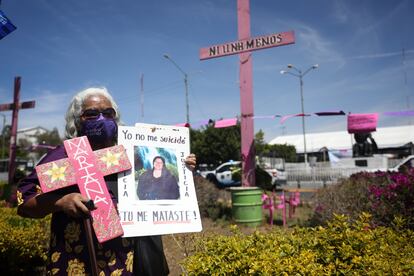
(87, 168)
(15, 106)
(243, 47)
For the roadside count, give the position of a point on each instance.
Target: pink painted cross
(87, 169)
(243, 47)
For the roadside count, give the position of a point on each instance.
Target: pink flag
(183, 124)
(284, 118)
(266, 117)
(225, 123)
(360, 123)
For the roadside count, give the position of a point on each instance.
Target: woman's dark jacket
(163, 187)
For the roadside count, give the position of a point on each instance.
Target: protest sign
(157, 196)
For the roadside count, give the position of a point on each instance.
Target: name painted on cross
(251, 44)
(87, 171)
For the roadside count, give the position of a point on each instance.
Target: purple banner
(330, 113)
(400, 113)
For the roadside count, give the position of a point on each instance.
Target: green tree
(25, 149)
(5, 141)
(216, 145)
(259, 143)
(287, 152)
(49, 138)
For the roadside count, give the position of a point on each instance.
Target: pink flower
(393, 186)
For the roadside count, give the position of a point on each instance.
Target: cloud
(383, 19)
(317, 47)
(70, 23)
(311, 45)
(340, 12)
(29, 119)
(380, 55)
(49, 111)
(51, 102)
(368, 21)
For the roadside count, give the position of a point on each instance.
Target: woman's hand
(43, 204)
(191, 161)
(73, 205)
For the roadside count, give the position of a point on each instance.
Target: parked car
(406, 163)
(275, 167)
(229, 174)
(225, 175)
(204, 169)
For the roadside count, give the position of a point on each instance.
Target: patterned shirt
(68, 253)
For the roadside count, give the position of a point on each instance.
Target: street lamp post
(2, 136)
(185, 84)
(299, 74)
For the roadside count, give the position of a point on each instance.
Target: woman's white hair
(74, 111)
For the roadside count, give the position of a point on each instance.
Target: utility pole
(3, 141)
(187, 106)
(299, 74)
(142, 97)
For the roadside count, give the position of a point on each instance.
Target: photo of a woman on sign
(157, 181)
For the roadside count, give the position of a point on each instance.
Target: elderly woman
(93, 113)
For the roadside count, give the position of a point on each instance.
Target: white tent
(30, 134)
(342, 140)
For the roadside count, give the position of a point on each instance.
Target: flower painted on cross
(56, 173)
(111, 158)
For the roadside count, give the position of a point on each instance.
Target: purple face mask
(99, 131)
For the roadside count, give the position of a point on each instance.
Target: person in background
(158, 182)
(94, 113)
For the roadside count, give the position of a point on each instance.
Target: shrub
(8, 194)
(341, 248)
(348, 197)
(383, 194)
(23, 242)
(213, 202)
(392, 194)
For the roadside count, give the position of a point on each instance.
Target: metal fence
(321, 174)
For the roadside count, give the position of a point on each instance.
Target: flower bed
(340, 248)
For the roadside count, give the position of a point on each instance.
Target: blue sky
(61, 47)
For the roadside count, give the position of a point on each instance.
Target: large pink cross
(15, 106)
(87, 169)
(243, 47)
